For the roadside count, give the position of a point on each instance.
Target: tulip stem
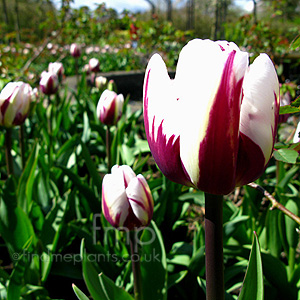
(214, 247)
(136, 267)
(9, 160)
(22, 144)
(275, 203)
(108, 146)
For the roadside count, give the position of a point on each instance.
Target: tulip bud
(56, 68)
(126, 198)
(94, 65)
(75, 50)
(48, 83)
(213, 127)
(109, 108)
(15, 99)
(100, 82)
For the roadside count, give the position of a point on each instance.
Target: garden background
(52, 231)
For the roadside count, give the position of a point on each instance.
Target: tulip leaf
(295, 43)
(286, 155)
(291, 225)
(100, 286)
(80, 295)
(253, 285)
(153, 264)
(111, 290)
(24, 192)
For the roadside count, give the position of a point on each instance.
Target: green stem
(108, 146)
(9, 160)
(136, 267)
(50, 129)
(214, 247)
(22, 144)
(291, 262)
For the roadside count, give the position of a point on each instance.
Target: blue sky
(132, 5)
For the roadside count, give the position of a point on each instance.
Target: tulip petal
(259, 117)
(140, 199)
(161, 117)
(209, 132)
(115, 204)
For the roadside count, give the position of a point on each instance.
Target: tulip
(15, 99)
(94, 65)
(126, 198)
(75, 50)
(56, 68)
(213, 127)
(109, 108)
(48, 83)
(100, 82)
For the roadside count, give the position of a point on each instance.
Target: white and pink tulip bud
(75, 50)
(109, 108)
(15, 99)
(126, 199)
(213, 127)
(100, 82)
(94, 65)
(48, 83)
(56, 68)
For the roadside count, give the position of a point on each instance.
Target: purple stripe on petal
(165, 151)
(251, 161)
(114, 221)
(218, 150)
(4, 106)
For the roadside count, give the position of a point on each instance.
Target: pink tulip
(126, 198)
(213, 127)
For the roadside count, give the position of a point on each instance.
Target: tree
(153, 8)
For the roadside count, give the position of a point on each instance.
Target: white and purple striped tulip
(48, 83)
(109, 107)
(75, 50)
(56, 68)
(213, 126)
(126, 199)
(94, 65)
(15, 99)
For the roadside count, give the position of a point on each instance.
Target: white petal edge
(260, 88)
(162, 98)
(115, 196)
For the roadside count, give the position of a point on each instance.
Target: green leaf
(153, 264)
(80, 295)
(90, 276)
(91, 167)
(15, 283)
(112, 291)
(24, 192)
(290, 225)
(15, 226)
(253, 285)
(295, 43)
(288, 109)
(286, 155)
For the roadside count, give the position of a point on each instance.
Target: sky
(135, 5)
